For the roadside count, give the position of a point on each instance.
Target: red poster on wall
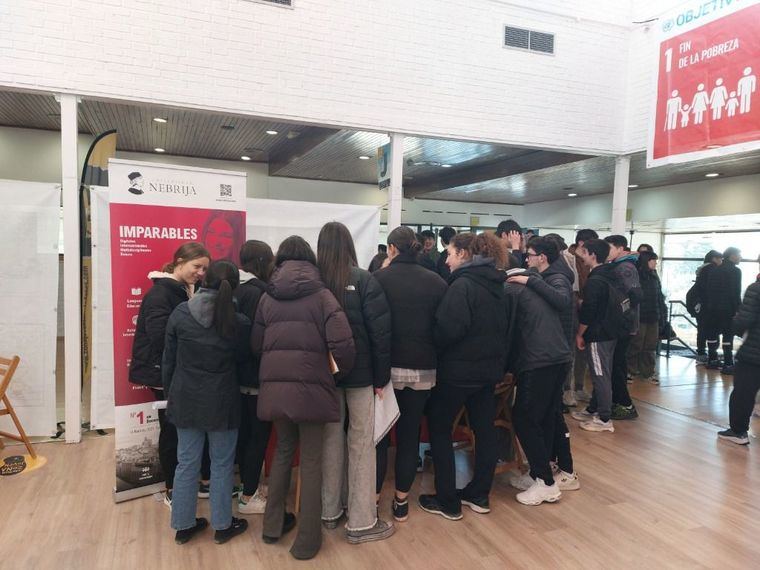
(154, 209)
(707, 102)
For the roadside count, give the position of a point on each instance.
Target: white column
(71, 268)
(620, 194)
(396, 189)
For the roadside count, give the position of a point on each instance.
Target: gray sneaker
(380, 531)
(733, 437)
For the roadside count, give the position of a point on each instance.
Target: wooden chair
(505, 395)
(7, 369)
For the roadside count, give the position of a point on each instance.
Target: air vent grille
(529, 40)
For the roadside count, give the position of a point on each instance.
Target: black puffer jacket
(539, 339)
(471, 326)
(724, 292)
(627, 282)
(555, 286)
(148, 347)
(441, 266)
(298, 324)
(413, 294)
(200, 367)
(653, 308)
(370, 318)
(247, 295)
(747, 321)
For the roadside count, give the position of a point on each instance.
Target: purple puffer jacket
(297, 321)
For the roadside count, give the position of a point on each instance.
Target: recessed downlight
(445, 166)
(633, 186)
(272, 132)
(245, 157)
(160, 120)
(712, 175)
(572, 195)
(364, 157)
(159, 149)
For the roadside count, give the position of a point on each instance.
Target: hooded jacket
(248, 294)
(298, 323)
(653, 309)
(413, 294)
(200, 367)
(370, 318)
(471, 326)
(724, 292)
(596, 297)
(148, 346)
(627, 282)
(555, 286)
(539, 339)
(747, 323)
(700, 285)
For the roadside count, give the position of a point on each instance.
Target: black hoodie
(471, 326)
(596, 297)
(556, 288)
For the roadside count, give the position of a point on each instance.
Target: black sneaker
(728, 370)
(733, 437)
(400, 509)
(430, 504)
(713, 365)
(204, 490)
(478, 504)
(185, 535)
(237, 527)
(624, 412)
(288, 524)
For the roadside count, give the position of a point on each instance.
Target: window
(529, 40)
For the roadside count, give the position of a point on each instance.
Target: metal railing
(683, 316)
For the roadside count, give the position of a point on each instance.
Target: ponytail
(223, 277)
(405, 241)
(225, 320)
(484, 245)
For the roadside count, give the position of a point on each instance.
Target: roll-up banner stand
(154, 208)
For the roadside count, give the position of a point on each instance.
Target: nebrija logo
(136, 183)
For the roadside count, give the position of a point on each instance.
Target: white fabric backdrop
(266, 220)
(29, 300)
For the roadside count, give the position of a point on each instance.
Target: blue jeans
(185, 494)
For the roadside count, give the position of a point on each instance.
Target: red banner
(154, 209)
(707, 89)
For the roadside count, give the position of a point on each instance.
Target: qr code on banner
(225, 190)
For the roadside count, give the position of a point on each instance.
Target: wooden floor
(661, 492)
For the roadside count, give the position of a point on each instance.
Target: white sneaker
(582, 415)
(522, 482)
(256, 505)
(597, 424)
(567, 481)
(582, 396)
(568, 398)
(539, 493)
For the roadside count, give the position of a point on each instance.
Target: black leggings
(742, 400)
(411, 404)
(253, 439)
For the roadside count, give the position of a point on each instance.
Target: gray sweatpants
(348, 461)
(599, 357)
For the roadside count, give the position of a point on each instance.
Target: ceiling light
(572, 195)
(159, 149)
(445, 166)
(271, 132)
(712, 175)
(633, 186)
(244, 157)
(364, 157)
(160, 120)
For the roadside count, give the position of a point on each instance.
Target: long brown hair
(186, 252)
(336, 255)
(485, 245)
(223, 276)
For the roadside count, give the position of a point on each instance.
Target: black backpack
(693, 302)
(618, 317)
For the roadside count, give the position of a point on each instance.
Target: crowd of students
(303, 343)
